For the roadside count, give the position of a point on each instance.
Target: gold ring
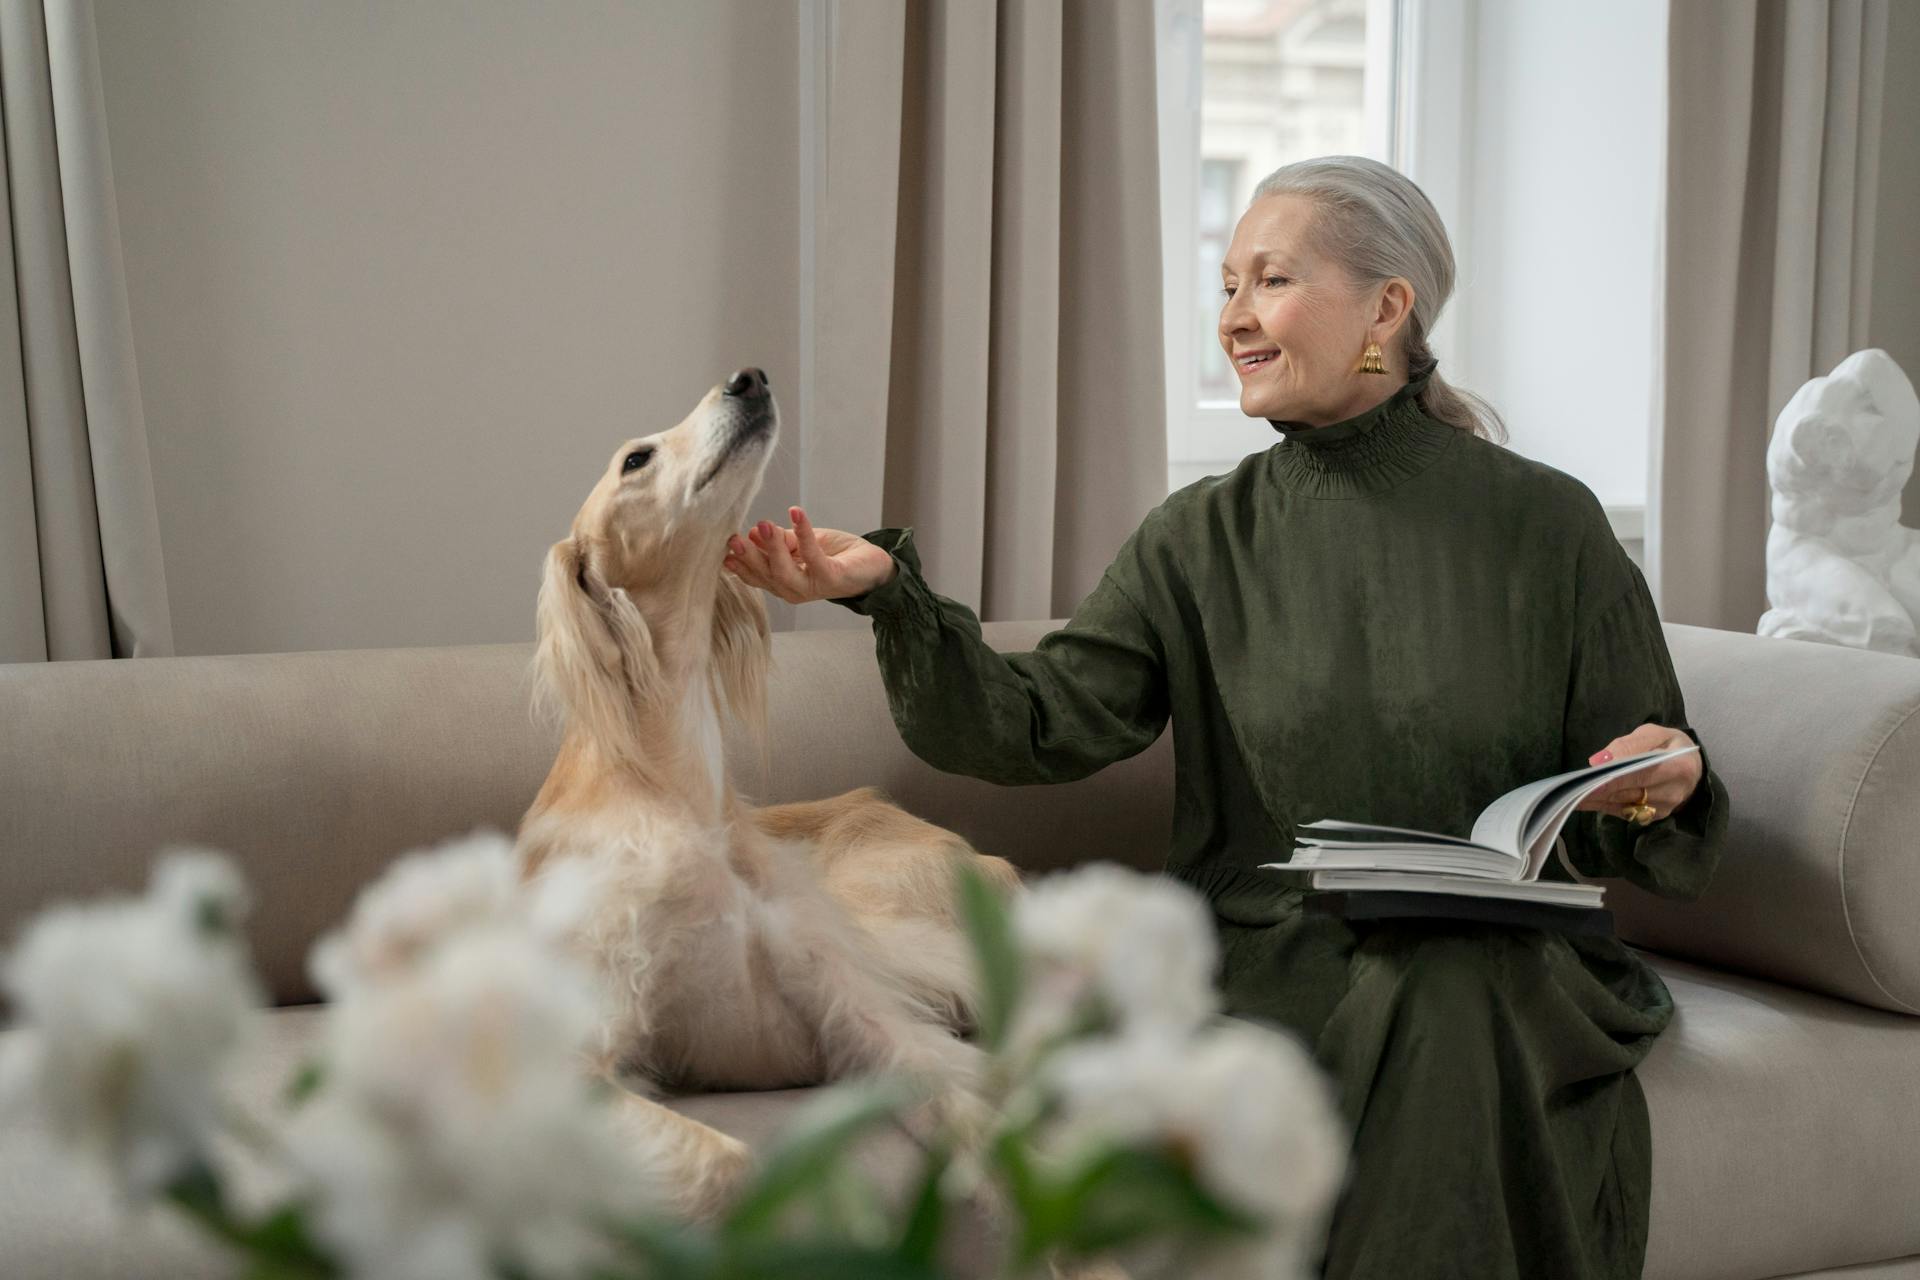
(1643, 798)
(1642, 814)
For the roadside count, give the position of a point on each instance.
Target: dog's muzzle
(748, 413)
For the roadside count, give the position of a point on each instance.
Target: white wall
(1557, 244)
(404, 275)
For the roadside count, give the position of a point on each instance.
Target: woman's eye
(1270, 280)
(637, 459)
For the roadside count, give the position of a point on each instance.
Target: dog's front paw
(715, 1179)
(959, 1116)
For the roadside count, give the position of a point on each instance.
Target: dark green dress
(1391, 621)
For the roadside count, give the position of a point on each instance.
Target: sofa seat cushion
(1786, 1137)
(59, 1222)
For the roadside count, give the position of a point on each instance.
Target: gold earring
(1370, 361)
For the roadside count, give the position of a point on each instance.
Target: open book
(1500, 858)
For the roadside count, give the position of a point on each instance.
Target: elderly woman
(1387, 617)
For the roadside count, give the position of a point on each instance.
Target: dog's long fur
(744, 948)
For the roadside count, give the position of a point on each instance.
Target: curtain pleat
(81, 574)
(1772, 173)
(988, 362)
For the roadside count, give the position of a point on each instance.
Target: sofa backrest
(315, 770)
(312, 769)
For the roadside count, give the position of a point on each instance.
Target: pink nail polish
(1603, 757)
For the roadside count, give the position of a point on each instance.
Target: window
(1220, 206)
(1250, 85)
(1551, 103)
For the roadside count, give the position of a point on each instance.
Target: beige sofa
(1785, 1097)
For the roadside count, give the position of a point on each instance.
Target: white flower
(430, 895)
(1140, 947)
(1245, 1106)
(133, 1003)
(455, 1122)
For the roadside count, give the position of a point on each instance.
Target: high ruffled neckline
(1370, 452)
(1359, 424)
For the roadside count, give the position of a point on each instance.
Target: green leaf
(920, 1237)
(1040, 1203)
(283, 1235)
(850, 1206)
(210, 917)
(1130, 1193)
(306, 1081)
(672, 1250)
(278, 1246)
(1010, 1155)
(811, 1260)
(819, 1135)
(990, 929)
(273, 1269)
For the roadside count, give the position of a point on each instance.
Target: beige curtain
(80, 571)
(988, 363)
(1772, 172)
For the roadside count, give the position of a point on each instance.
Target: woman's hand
(1668, 784)
(804, 563)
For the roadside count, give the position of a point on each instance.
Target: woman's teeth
(1254, 362)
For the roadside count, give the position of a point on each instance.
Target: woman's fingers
(828, 578)
(756, 562)
(1629, 784)
(1648, 737)
(1666, 785)
(751, 563)
(795, 564)
(807, 541)
(786, 572)
(1662, 799)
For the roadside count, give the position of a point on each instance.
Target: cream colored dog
(746, 948)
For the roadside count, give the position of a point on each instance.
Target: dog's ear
(595, 661)
(742, 646)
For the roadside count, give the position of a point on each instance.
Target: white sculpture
(1841, 568)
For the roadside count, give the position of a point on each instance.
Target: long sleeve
(1622, 678)
(1088, 694)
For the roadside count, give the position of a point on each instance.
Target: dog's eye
(637, 459)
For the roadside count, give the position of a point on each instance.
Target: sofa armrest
(1819, 885)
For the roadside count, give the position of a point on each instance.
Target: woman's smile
(1253, 361)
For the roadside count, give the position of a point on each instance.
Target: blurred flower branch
(447, 1131)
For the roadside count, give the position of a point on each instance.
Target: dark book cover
(1399, 904)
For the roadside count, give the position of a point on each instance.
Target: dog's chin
(742, 459)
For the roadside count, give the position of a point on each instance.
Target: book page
(1338, 824)
(1453, 859)
(1508, 822)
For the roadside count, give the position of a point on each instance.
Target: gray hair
(1374, 222)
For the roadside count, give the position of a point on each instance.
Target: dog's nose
(749, 384)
